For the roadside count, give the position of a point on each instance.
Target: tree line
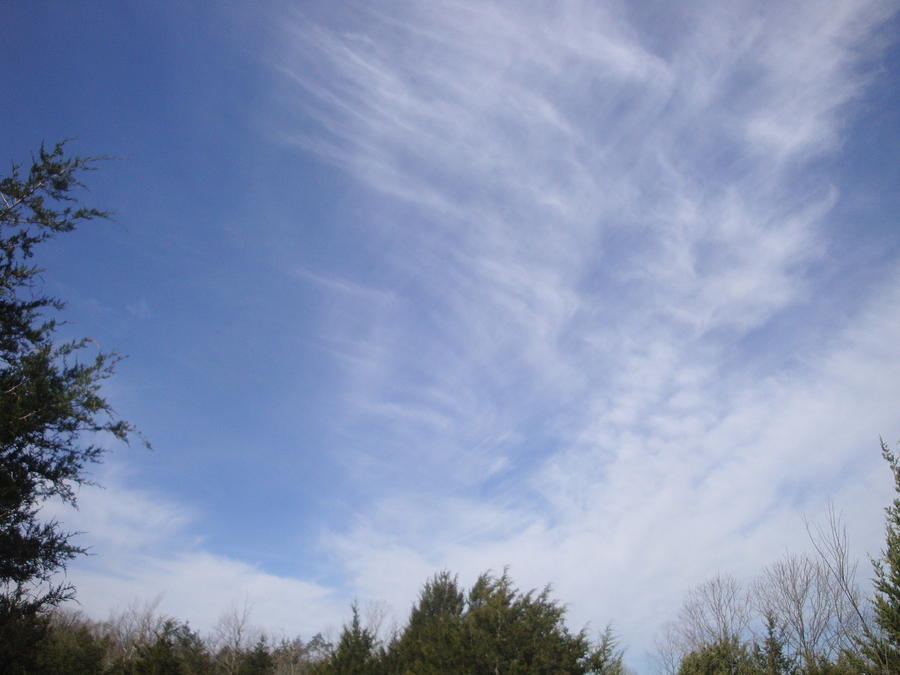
(804, 614)
(490, 628)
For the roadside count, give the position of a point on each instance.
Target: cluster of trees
(492, 628)
(51, 412)
(803, 616)
(140, 641)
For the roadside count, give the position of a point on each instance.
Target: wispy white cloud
(586, 346)
(583, 198)
(626, 519)
(584, 377)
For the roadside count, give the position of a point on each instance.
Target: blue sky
(605, 292)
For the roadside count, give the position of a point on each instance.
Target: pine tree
(432, 640)
(606, 657)
(50, 400)
(770, 657)
(494, 628)
(506, 631)
(258, 661)
(724, 657)
(357, 651)
(884, 649)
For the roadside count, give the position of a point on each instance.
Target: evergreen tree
(606, 657)
(357, 651)
(494, 629)
(432, 640)
(193, 656)
(770, 657)
(22, 630)
(510, 632)
(49, 400)
(160, 657)
(174, 649)
(723, 657)
(71, 647)
(258, 661)
(884, 649)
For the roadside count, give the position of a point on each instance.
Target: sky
(607, 293)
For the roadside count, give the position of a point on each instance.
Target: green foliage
(357, 651)
(192, 652)
(510, 632)
(22, 629)
(174, 649)
(771, 656)
(884, 649)
(433, 639)
(160, 657)
(258, 661)
(494, 629)
(606, 657)
(73, 648)
(50, 398)
(723, 657)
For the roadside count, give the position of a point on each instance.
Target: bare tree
(294, 657)
(717, 610)
(379, 618)
(233, 635)
(290, 657)
(375, 612)
(833, 550)
(136, 626)
(801, 595)
(66, 618)
(669, 651)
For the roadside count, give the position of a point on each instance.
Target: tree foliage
(356, 652)
(728, 656)
(883, 645)
(771, 655)
(51, 407)
(494, 628)
(511, 632)
(433, 638)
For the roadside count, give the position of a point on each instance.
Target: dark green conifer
(50, 402)
(771, 656)
(258, 661)
(723, 657)
(883, 649)
(432, 640)
(357, 651)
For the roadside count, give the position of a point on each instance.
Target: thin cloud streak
(594, 235)
(492, 271)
